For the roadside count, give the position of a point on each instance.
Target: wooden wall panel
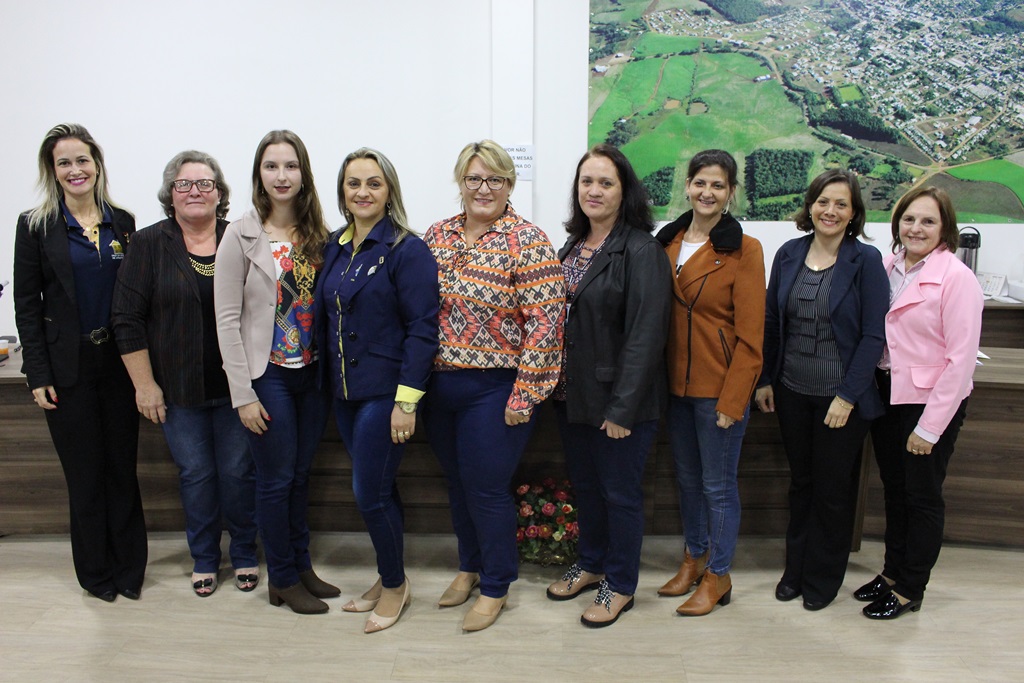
(985, 488)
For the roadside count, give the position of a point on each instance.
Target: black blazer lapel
(58, 252)
(847, 263)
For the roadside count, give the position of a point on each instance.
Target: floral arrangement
(547, 531)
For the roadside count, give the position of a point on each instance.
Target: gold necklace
(204, 269)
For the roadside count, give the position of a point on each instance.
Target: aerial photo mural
(900, 91)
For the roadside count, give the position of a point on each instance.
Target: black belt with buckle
(97, 337)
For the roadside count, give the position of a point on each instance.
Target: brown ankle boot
(690, 572)
(297, 598)
(713, 590)
(316, 586)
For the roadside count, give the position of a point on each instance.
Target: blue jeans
(707, 458)
(217, 477)
(365, 427)
(465, 419)
(284, 456)
(606, 477)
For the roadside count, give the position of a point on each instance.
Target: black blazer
(45, 308)
(616, 331)
(157, 306)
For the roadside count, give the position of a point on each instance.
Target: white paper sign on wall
(522, 157)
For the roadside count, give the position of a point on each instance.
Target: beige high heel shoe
(484, 613)
(367, 601)
(454, 595)
(376, 622)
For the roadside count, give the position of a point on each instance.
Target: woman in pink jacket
(932, 333)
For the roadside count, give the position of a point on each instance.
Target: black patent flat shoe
(815, 605)
(888, 607)
(105, 596)
(784, 593)
(872, 590)
(130, 593)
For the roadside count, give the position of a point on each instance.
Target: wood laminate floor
(971, 627)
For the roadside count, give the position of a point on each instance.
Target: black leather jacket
(616, 330)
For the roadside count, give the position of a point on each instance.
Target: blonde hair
(493, 157)
(395, 207)
(53, 193)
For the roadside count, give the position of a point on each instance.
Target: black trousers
(95, 430)
(824, 466)
(914, 510)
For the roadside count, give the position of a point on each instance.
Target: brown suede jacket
(717, 328)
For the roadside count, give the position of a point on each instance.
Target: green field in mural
(671, 78)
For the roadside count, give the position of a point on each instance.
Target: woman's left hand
(918, 446)
(614, 431)
(403, 425)
(838, 413)
(513, 418)
(724, 421)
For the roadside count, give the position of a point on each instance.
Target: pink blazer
(932, 331)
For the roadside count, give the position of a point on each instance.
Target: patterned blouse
(293, 345)
(502, 303)
(575, 268)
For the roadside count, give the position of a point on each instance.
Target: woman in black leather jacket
(612, 386)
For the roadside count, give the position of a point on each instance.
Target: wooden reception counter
(984, 490)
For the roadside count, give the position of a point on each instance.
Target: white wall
(415, 79)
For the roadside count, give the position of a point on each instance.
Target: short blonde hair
(493, 156)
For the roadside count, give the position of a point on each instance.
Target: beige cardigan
(245, 297)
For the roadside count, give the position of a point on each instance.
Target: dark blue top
(857, 303)
(377, 314)
(95, 270)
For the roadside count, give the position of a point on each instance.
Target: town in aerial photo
(899, 91)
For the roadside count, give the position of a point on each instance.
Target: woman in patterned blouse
(501, 306)
(267, 264)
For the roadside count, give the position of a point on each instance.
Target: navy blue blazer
(388, 316)
(857, 303)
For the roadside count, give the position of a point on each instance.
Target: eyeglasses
(204, 185)
(473, 182)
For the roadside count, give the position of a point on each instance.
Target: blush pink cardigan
(932, 332)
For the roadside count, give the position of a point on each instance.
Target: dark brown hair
(855, 228)
(948, 235)
(635, 209)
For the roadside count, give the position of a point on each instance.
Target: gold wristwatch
(407, 407)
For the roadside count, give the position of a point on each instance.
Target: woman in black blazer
(823, 334)
(66, 255)
(166, 330)
(612, 387)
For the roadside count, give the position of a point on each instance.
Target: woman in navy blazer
(824, 332)
(67, 252)
(377, 301)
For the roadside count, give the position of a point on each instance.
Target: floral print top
(294, 344)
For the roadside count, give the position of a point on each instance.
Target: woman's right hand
(254, 417)
(43, 397)
(150, 402)
(764, 397)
